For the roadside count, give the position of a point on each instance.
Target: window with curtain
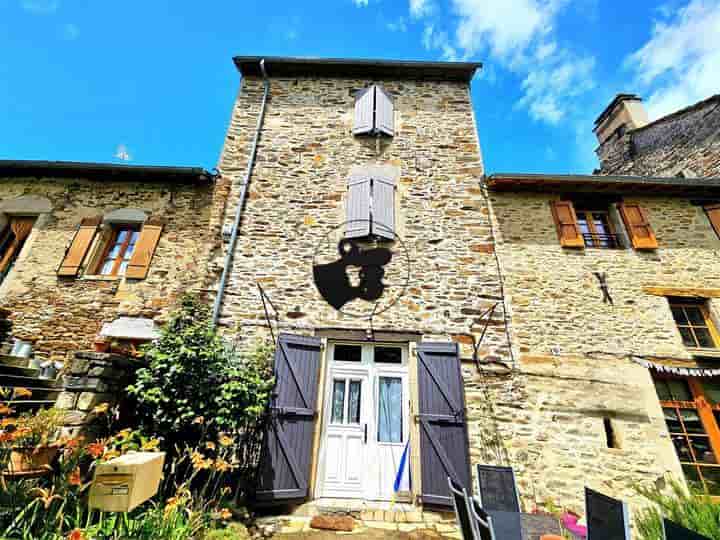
(390, 427)
(12, 240)
(694, 323)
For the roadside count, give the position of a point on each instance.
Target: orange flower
(76, 534)
(96, 449)
(74, 477)
(4, 409)
(224, 440)
(152, 444)
(225, 514)
(199, 420)
(22, 392)
(6, 436)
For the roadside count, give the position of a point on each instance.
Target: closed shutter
(567, 225)
(638, 226)
(75, 254)
(358, 206)
(144, 249)
(443, 428)
(383, 206)
(384, 112)
(287, 449)
(713, 214)
(364, 109)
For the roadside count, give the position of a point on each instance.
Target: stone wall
(574, 371)
(62, 315)
(297, 194)
(688, 140)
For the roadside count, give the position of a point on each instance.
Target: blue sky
(153, 82)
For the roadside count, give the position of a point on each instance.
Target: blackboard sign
(607, 518)
(506, 525)
(496, 486)
(673, 531)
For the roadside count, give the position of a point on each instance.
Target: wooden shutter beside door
(713, 214)
(144, 249)
(443, 426)
(383, 206)
(287, 449)
(637, 225)
(567, 225)
(75, 255)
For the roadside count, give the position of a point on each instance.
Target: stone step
(27, 382)
(17, 361)
(19, 371)
(41, 394)
(30, 404)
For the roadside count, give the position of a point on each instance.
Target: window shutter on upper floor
(567, 225)
(384, 112)
(383, 205)
(637, 225)
(364, 111)
(713, 214)
(75, 254)
(358, 205)
(144, 249)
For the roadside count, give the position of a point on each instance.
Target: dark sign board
(497, 488)
(607, 518)
(673, 531)
(506, 525)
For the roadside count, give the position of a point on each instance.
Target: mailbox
(127, 481)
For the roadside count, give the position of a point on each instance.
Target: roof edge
(17, 167)
(595, 179)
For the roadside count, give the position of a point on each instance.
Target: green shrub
(693, 511)
(195, 382)
(234, 531)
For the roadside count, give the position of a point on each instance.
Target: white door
(365, 421)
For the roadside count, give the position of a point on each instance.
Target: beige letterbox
(127, 481)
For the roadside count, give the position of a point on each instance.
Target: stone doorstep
(369, 511)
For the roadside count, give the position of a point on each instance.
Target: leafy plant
(34, 429)
(693, 511)
(192, 373)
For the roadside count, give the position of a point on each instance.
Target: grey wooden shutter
(383, 205)
(384, 112)
(287, 450)
(358, 205)
(443, 428)
(364, 111)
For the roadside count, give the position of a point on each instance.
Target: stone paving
(299, 528)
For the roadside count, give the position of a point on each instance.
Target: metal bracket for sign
(477, 342)
(265, 301)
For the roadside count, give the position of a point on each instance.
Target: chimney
(624, 113)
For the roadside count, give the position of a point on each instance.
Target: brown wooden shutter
(144, 249)
(567, 225)
(638, 226)
(713, 214)
(75, 255)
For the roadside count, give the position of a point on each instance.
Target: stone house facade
(381, 160)
(606, 280)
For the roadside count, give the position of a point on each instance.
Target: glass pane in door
(354, 402)
(338, 402)
(390, 410)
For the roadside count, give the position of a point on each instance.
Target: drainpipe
(241, 203)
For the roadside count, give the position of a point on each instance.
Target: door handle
(365, 434)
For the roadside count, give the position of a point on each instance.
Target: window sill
(100, 278)
(707, 353)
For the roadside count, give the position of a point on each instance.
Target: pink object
(570, 522)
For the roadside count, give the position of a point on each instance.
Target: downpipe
(241, 203)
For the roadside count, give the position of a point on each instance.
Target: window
(371, 203)
(347, 353)
(12, 239)
(692, 417)
(118, 250)
(390, 425)
(694, 323)
(596, 228)
(346, 401)
(713, 213)
(374, 112)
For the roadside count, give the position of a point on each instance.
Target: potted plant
(101, 344)
(32, 439)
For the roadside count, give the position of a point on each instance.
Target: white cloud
(40, 7)
(433, 39)
(70, 32)
(397, 26)
(680, 63)
(519, 36)
(360, 3)
(421, 8)
(122, 153)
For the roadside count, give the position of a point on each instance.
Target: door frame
(366, 368)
